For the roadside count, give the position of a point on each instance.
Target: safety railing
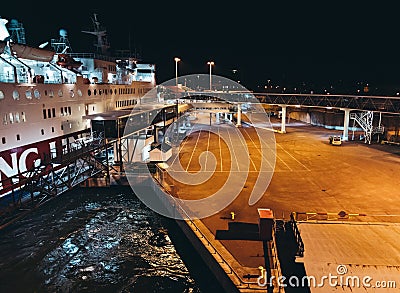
(177, 207)
(297, 236)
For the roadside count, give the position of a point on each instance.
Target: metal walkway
(67, 169)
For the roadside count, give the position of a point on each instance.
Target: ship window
(44, 114)
(42, 131)
(3, 140)
(15, 95)
(36, 93)
(89, 92)
(53, 110)
(100, 92)
(51, 94)
(45, 92)
(18, 137)
(49, 113)
(95, 92)
(17, 118)
(71, 93)
(23, 118)
(60, 93)
(11, 117)
(52, 129)
(115, 91)
(62, 127)
(69, 110)
(105, 92)
(1, 95)
(5, 119)
(65, 111)
(62, 111)
(79, 93)
(28, 94)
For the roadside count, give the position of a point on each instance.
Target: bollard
(262, 270)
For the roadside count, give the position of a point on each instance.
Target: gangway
(68, 168)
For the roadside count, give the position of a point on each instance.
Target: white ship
(44, 95)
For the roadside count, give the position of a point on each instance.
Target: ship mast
(102, 44)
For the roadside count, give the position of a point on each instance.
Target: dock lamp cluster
(177, 60)
(211, 64)
(176, 70)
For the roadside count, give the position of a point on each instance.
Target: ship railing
(92, 56)
(6, 78)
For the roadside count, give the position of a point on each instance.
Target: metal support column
(283, 123)
(239, 116)
(217, 118)
(346, 122)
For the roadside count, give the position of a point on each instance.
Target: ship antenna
(102, 44)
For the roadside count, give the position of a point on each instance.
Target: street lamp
(211, 63)
(176, 70)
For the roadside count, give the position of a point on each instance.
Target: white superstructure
(45, 93)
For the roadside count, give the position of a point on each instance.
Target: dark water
(99, 240)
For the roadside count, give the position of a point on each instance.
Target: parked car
(335, 140)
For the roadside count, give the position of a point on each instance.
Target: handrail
(299, 240)
(232, 271)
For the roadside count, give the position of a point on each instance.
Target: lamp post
(176, 70)
(210, 63)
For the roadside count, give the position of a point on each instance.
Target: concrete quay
(323, 184)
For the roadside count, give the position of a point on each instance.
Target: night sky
(289, 43)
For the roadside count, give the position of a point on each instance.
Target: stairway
(365, 120)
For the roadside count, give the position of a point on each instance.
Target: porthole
(60, 93)
(15, 95)
(100, 92)
(1, 95)
(79, 93)
(89, 92)
(71, 93)
(28, 94)
(36, 94)
(95, 92)
(51, 94)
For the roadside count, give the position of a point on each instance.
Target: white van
(335, 140)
